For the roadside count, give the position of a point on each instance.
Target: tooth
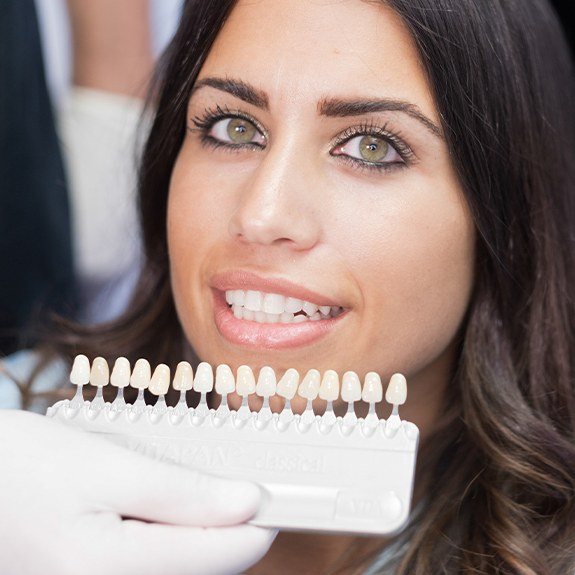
(299, 318)
(260, 316)
(315, 316)
(204, 380)
(273, 317)
(293, 305)
(274, 303)
(239, 297)
(184, 377)
(396, 393)
(266, 385)
(120, 373)
(288, 384)
(237, 311)
(160, 382)
(254, 300)
(372, 389)
(309, 308)
(224, 379)
(350, 387)
(141, 375)
(325, 309)
(248, 314)
(230, 296)
(309, 387)
(80, 374)
(100, 372)
(245, 381)
(286, 317)
(329, 388)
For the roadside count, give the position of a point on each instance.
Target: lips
(242, 298)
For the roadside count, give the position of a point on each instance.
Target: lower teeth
(286, 317)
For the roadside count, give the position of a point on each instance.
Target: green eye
(240, 131)
(373, 149)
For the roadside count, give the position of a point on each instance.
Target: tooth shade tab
(184, 377)
(204, 380)
(225, 382)
(288, 384)
(372, 388)
(160, 382)
(396, 393)
(100, 372)
(309, 387)
(80, 373)
(350, 387)
(120, 373)
(329, 388)
(245, 381)
(267, 383)
(141, 375)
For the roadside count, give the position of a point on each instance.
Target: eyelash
(211, 116)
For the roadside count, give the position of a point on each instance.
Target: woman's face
(314, 168)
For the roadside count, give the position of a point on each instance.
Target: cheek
(415, 260)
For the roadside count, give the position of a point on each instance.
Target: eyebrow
(329, 107)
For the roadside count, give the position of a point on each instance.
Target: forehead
(306, 49)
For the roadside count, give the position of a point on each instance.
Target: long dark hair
(500, 471)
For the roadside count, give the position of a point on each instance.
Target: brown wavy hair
(500, 472)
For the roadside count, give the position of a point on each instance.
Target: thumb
(142, 488)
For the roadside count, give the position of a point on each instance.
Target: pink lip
(256, 335)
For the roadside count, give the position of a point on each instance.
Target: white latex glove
(72, 503)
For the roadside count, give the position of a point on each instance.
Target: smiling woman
(380, 186)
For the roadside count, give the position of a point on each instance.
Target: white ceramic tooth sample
(396, 393)
(273, 303)
(160, 382)
(372, 391)
(141, 374)
(204, 380)
(293, 305)
(80, 373)
(350, 387)
(230, 296)
(266, 386)
(184, 377)
(245, 381)
(329, 388)
(100, 372)
(288, 384)
(310, 384)
(224, 379)
(253, 300)
(120, 373)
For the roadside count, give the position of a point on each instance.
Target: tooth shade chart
(313, 387)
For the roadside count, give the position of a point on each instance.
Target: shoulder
(16, 371)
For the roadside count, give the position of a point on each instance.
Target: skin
(394, 247)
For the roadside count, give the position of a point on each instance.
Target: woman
(410, 165)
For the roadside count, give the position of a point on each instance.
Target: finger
(139, 487)
(149, 549)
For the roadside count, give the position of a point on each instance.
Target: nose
(278, 204)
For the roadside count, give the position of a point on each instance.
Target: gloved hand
(72, 503)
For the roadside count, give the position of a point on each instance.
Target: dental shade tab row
(313, 385)
(318, 473)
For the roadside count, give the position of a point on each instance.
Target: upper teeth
(275, 305)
